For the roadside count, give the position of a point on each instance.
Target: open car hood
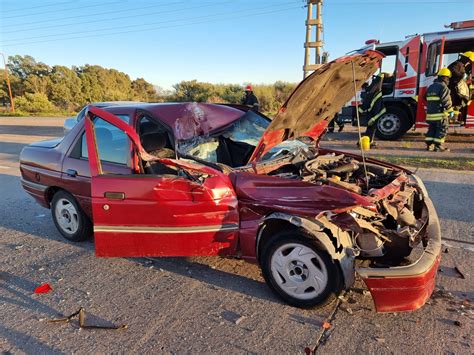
(316, 100)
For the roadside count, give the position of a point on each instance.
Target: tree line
(40, 88)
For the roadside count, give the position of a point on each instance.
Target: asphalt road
(205, 304)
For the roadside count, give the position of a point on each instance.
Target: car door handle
(114, 195)
(71, 172)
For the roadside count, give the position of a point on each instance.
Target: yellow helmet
(469, 54)
(445, 72)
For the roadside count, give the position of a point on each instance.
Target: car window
(247, 129)
(112, 143)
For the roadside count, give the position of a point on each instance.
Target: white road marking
(5, 167)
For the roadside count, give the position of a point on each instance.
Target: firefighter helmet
(469, 54)
(249, 88)
(445, 72)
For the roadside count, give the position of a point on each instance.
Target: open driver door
(187, 210)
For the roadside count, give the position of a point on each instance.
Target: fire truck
(412, 65)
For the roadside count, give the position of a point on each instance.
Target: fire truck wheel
(394, 124)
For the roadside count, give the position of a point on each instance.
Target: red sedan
(194, 179)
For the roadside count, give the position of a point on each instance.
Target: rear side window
(112, 143)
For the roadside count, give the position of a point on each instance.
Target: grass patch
(465, 164)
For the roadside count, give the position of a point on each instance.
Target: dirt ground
(209, 305)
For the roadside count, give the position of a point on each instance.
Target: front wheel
(69, 218)
(393, 124)
(300, 273)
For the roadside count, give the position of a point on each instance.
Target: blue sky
(220, 41)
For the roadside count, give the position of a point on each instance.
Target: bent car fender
(327, 235)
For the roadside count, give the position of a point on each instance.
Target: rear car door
(185, 210)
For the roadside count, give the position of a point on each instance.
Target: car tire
(299, 272)
(69, 218)
(393, 124)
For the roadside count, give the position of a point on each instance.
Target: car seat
(157, 144)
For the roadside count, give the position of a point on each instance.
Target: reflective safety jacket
(250, 100)
(438, 99)
(372, 101)
(458, 70)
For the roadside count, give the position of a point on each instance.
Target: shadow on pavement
(25, 342)
(214, 277)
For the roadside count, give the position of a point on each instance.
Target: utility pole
(317, 43)
(12, 102)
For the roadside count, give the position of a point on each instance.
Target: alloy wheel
(299, 271)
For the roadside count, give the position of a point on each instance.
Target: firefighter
(339, 121)
(438, 110)
(460, 91)
(372, 104)
(249, 99)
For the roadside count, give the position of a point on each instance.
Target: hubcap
(66, 216)
(299, 271)
(389, 124)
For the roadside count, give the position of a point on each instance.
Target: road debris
(459, 272)
(81, 313)
(348, 310)
(326, 325)
(380, 340)
(238, 321)
(44, 288)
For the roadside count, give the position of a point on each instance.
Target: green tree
(34, 103)
(143, 91)
(193, 91)
(28, 75)
(65, 88)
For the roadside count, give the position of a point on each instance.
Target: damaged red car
(200, 179)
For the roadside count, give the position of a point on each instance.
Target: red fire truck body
(413, 64)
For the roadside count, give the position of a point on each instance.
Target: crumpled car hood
(316, 100)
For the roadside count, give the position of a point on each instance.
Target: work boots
(441, 148)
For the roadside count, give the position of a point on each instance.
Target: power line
(115, 18)
(141, 25)
(99, 13)
(155, 28)
(430, 2)
(62, 10)
(38, 7)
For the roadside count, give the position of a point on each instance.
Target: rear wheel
(393, 124)
(69, 218)
(300, 273)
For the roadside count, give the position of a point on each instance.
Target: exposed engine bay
(337, 170)
(390, 232)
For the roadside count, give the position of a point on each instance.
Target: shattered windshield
(232, 146)
(286, 147)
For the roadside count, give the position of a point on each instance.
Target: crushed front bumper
(407, 288)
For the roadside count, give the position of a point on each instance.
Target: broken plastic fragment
(326, 325)
(82, 321)
(44, 288)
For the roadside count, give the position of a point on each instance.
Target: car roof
(186, 119)
(114, 103)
